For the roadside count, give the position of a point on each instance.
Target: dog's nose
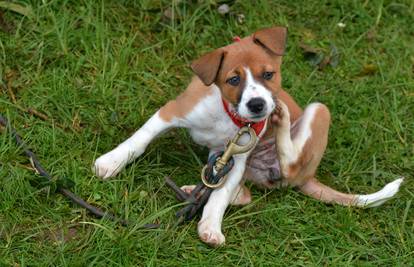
(256, 105)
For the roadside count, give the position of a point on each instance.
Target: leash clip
(233, 148)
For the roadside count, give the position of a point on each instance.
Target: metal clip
(232, 149)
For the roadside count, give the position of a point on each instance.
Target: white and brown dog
(234, 85)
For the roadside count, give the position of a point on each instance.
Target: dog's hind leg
(326, 194)
(241, 196)
(300, 150)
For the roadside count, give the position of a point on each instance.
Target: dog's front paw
(110, 164)
(210, 234)
(280, 116)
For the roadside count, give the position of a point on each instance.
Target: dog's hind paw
(378, 198)
(188, 188)
(210, 235)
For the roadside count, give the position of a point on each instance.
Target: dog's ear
(208, 66)
(273, 39)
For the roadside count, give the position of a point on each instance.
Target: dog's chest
(209, 124)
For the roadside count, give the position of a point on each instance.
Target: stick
(181, 195)
(64, 191)
(196, 200)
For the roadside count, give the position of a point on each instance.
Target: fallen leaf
(368, 69)
(18, 8)
(313, 55)
(316, 56)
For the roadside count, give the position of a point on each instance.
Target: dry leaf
(18, 8)
(316, 57)
(368, 69)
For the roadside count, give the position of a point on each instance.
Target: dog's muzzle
(256, 105)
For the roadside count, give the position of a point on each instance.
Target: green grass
(101, 68)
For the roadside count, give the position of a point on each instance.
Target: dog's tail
(326, 194)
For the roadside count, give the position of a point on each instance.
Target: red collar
(240, 122)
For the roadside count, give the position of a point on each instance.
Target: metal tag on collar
(233, 148)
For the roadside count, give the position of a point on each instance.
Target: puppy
(233, 86)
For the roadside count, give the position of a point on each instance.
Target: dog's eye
(235, 80)
(267, 75)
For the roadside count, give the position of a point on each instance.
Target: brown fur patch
(247, 54)
(186, 101)
(317, 190)
(236, 57)
(306, 165)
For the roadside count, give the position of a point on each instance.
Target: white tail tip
(378, 198)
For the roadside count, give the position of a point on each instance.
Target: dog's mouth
(255, 117)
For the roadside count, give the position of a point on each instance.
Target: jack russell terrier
(236, 85)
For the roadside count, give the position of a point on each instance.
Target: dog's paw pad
(210, 236)
(214, 239)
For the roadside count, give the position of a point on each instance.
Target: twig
(196, 200)
(180, 194)
(38, 114)
(9, 79)
(44, 117)
(7, 85)
(11, 93)
(64, 191)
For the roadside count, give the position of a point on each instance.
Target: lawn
(99, 69)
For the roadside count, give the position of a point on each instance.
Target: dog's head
(247, 72)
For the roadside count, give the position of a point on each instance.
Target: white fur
(251, 90)
(209, 126)
(111, 163)
(289, 150)
(377, 198)
(214, 131)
